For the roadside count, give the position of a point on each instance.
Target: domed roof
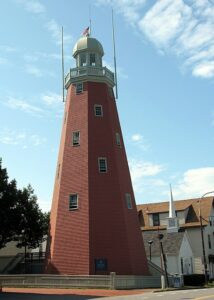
(88, 43)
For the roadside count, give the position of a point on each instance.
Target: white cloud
(204, 69)
(37, 72)
(32, 6)
(22, 139)
(3, 61)
(140, 169)
(7, 49)
(23, 105)
(184, 28)
(33, 70)
(139, 141)
(137, 137)
(56, 32)
(129, 8)
(52, 99)
(194, 183)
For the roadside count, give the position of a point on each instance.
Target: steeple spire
(171, 205)
(172, 224)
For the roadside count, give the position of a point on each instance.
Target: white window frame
(118, 140)
(128, 200)
(75, 139)
(75, 205)
(95, 110)
(79, 90)
(101, 170)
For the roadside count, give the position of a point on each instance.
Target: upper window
(128, 201)
(82, 60)
(79, 88)
(73, 202)
(102, 162)
(118, 142)
(156, 219)
(92, 59)
(76, 138)
(98, 110)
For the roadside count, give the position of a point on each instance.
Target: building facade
(154, 217)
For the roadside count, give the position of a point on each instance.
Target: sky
(165, 59)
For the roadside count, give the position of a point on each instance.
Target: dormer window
(156, 219)
(92, 59)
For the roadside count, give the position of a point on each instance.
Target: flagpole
(63, 88)
(90, 31)
(115, 64)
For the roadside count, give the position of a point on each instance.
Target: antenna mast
(115, 64)
(63, 88)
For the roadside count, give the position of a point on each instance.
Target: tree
(8, 199)
(21, 219)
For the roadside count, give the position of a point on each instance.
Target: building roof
(191, 205)
(87, 43)
(171, 242)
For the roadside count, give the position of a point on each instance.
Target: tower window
(102, 163)
(73, 202)
(156, 219)
(82, 60)
(118, 142)
(79, 88)
(128, 201)
(209, 241)
(76, 138)
(92, 59)
(98, 110)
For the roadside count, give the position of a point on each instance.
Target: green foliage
(21, 219)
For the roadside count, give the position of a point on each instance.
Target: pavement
(63, 294)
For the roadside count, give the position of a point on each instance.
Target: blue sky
(165, 58)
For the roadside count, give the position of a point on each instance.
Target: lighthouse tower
(94, 226)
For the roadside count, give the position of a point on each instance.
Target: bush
(194, 279)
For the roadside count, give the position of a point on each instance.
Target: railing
(89, 71)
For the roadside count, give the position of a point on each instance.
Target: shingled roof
(192, 219)
(171, 242)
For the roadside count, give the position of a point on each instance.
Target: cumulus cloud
(56, 32)
(32, 6)
(52, 99)
(139, 141)
(23, 105)
(184, 28)
(22, 138)
(195, 182)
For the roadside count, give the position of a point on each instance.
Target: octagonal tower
(94, 226)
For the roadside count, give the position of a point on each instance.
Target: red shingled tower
(94, 226)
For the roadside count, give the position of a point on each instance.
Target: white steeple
(172, 224)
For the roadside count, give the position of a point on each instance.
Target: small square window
(76, 138)
(102, 162)
(73, 202)
(128, 201)
(118, 142)
(98, 110)
(79, 88)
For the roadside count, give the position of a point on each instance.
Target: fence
(111, 281)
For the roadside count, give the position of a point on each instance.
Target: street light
(202, 237)
(160, 237)
(150, 249)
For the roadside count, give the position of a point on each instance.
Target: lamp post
(202, 237)
(160, 237)
(150, 249)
